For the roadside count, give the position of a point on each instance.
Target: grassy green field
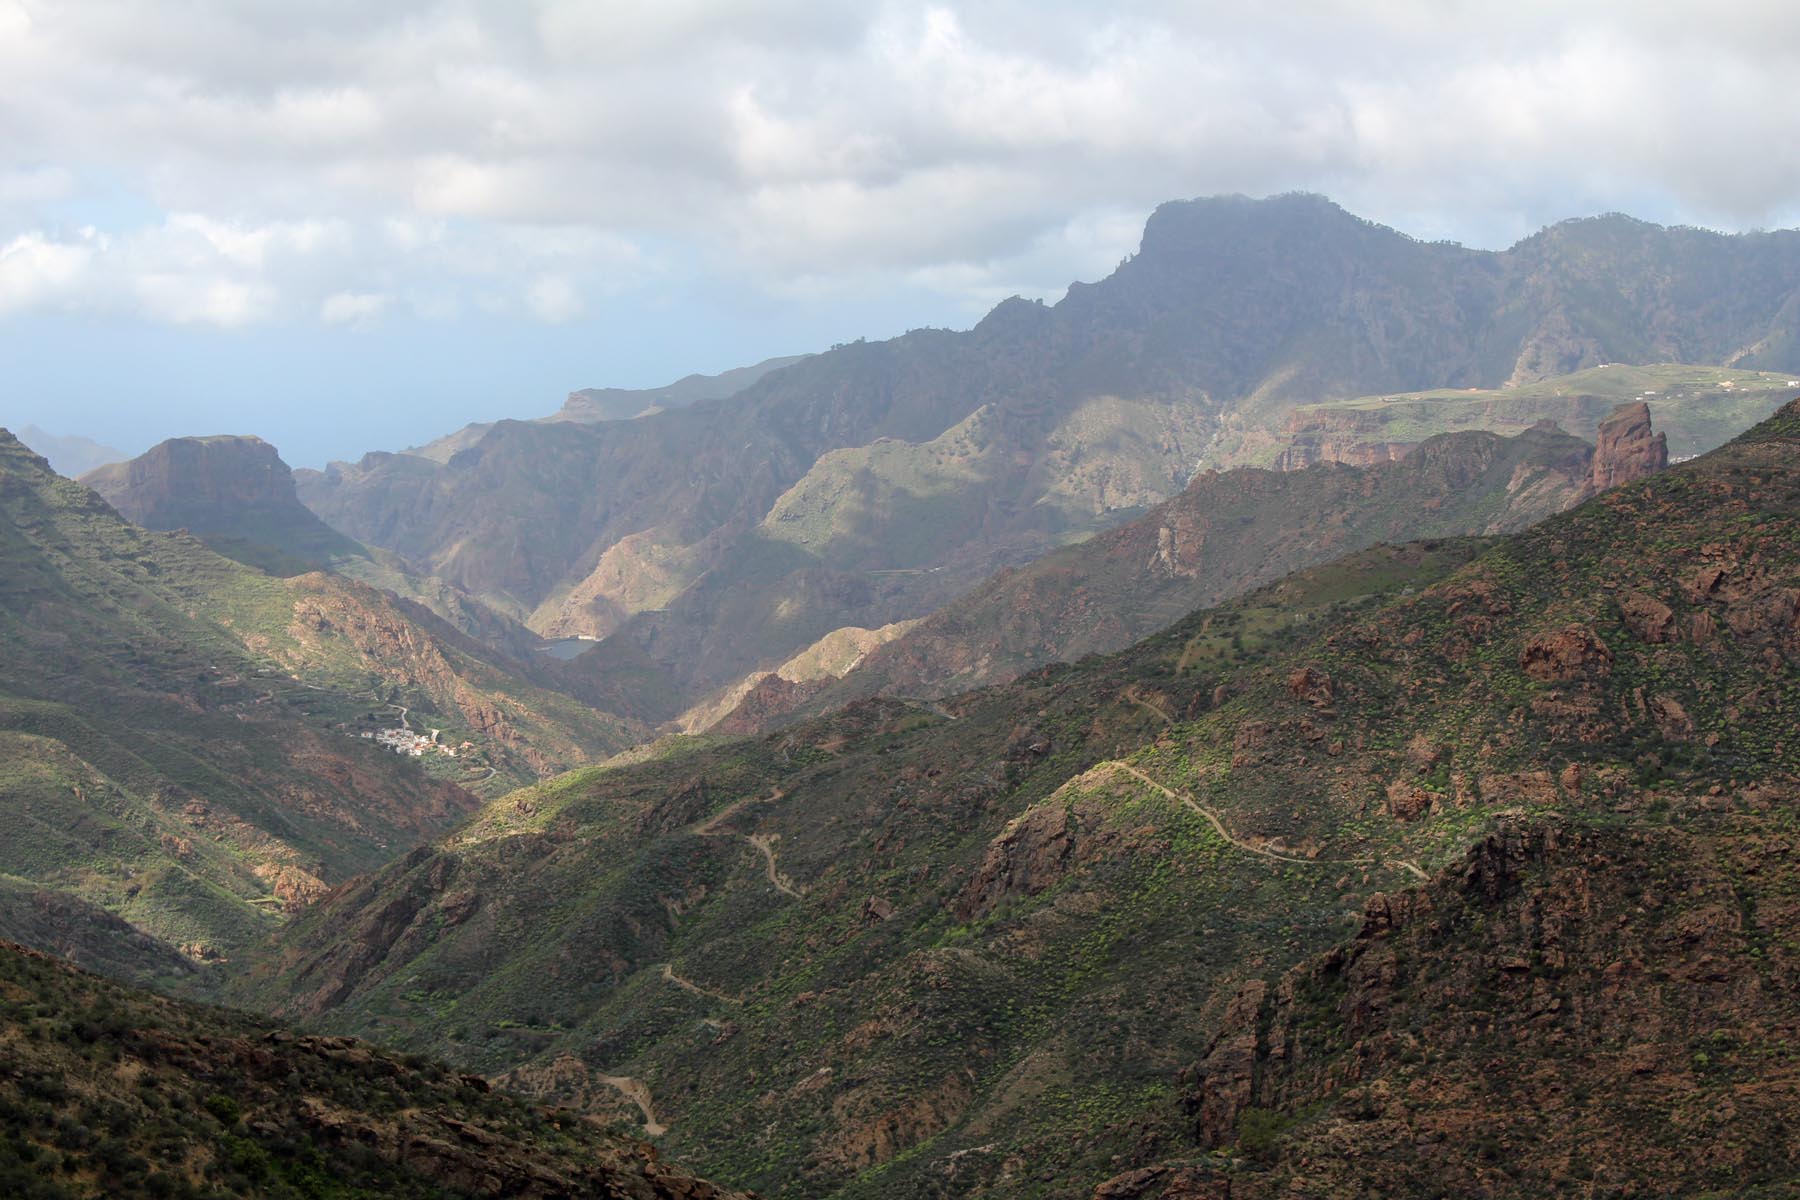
(1698, 407)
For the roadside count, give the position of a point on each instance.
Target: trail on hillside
(764, 842)
(1131, 694)
(688, 985)
(635, 1091)
(1248, 847)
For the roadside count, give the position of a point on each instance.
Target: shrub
(1258, 1129)
(224, 1108)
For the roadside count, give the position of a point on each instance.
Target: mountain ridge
(1227, 533)
(1039, 426)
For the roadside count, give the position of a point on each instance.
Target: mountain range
(181, 730)
(1226, 533)
(878, 481)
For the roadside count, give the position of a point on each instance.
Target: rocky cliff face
(1335, 436)
(1626, 449)
(198, 482)
(1541, 1019)
(235, 493)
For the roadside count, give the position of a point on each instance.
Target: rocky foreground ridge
(109, 1091)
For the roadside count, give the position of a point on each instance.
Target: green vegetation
(109, 1091)
(1699, 407)
(178, 731)
(1012, 922)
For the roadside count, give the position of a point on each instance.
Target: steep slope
(878, 481)
(178, 732)
(229, 491)
(88, 936)
(1227, 533)
(109, 1091)
(237, 495)
(1571, 1010)
(973, 948)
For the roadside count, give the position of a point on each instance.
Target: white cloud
(553, 298)
(36, 272)
(356, 309)
(527, 157)
(196, 299)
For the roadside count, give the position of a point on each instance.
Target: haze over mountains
(875, 482)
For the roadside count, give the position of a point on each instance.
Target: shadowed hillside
(109, 1091)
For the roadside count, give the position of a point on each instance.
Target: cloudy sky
(348, 225)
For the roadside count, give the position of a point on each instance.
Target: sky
(346, 226)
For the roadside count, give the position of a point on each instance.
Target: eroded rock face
(1222, 1084)
(1312, 685)
(1572, 653)
(1648, 617)
(183, 479)
(1028, 857)
(1625, 449)
(1610, 955)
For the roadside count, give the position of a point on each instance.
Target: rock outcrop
(1626, 449)
(1529, 1023)
(222, 487)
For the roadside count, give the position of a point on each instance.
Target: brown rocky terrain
(108, 1091)
(1625, 449)
(1567, 1011)
(1032, 941)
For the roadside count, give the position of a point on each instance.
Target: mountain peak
(1181, 224)
(226, 488)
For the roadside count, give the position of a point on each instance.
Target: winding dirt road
(1230, 837)
(635, 1091)
(688, 985)
(764, 842)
